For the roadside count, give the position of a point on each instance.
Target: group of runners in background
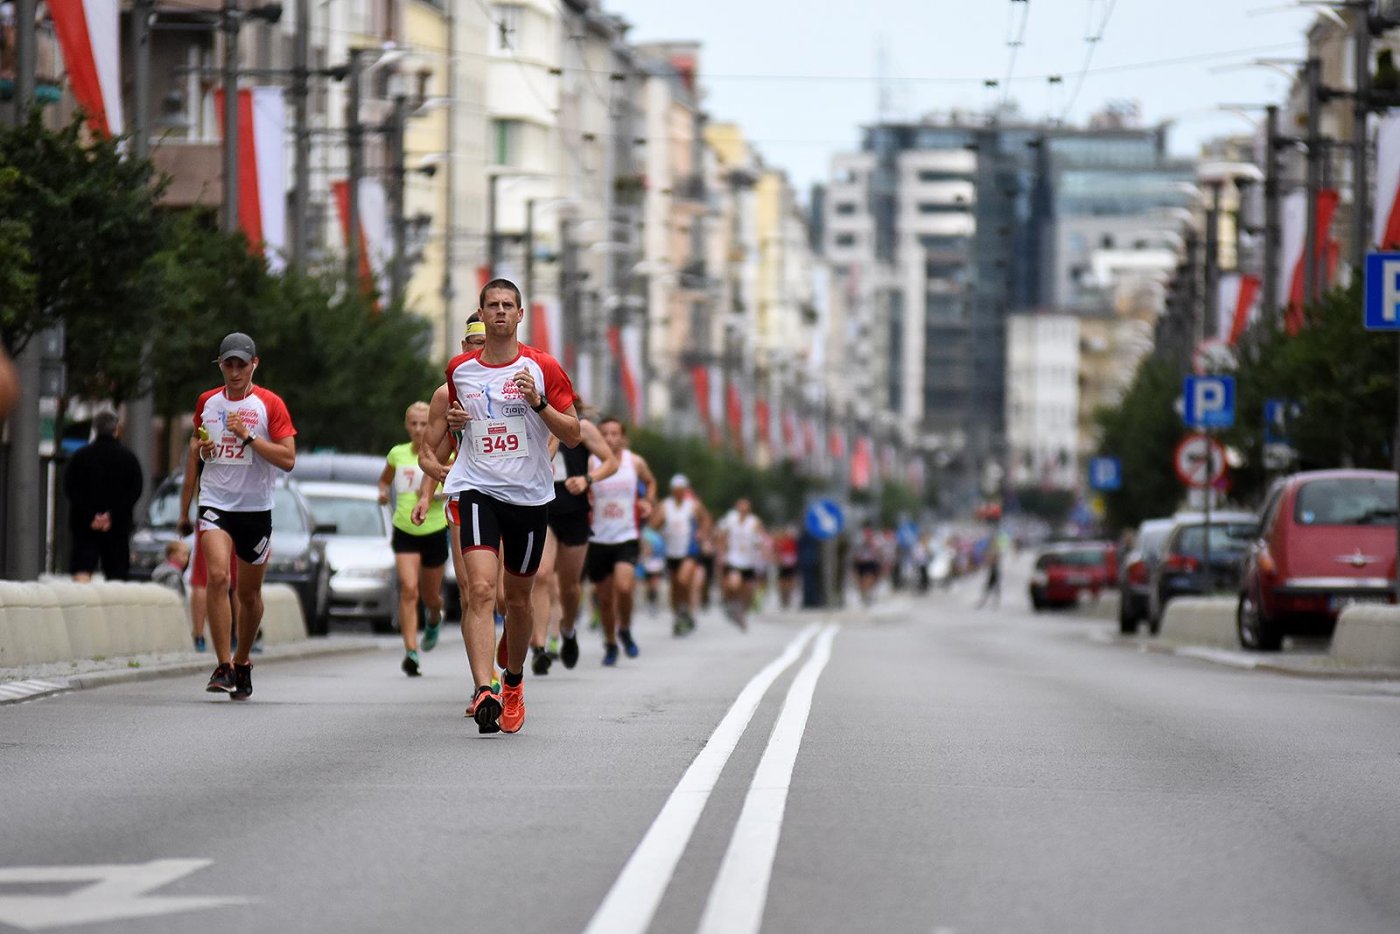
(508, 475)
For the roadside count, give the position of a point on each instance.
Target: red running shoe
(512, 707)
(486, 710)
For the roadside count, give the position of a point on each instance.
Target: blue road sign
(1106, 474)
(1210, 401)
(1383, 291)
(825, 519)
(907, 534)
(1275, 421)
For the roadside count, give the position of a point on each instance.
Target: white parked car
(363, 585)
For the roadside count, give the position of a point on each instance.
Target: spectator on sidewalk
(172, 572)
(103, 484)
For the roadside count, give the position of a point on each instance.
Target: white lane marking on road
(115, 893)
(633, 899)
(19, 690)
(736, 902)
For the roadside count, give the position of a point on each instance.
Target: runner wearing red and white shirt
(244, 435)
(500, 487)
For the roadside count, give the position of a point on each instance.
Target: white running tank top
(678, 528)
(742, 543)
(615, 503)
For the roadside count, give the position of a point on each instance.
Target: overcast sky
(801, 84)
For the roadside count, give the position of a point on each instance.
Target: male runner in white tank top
(741, 546)
(621, 503)
(682, 518)
(500, 487)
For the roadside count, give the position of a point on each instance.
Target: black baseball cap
(238, 345)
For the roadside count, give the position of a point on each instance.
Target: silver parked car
(363, 585)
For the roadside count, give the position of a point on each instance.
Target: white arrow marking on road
(632, 901)
(116, 893)
(736, 902)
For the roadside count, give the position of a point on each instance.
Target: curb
(14, 692)
(1227, 659)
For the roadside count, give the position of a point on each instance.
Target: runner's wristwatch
(544, 403)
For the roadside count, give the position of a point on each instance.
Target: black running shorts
(601, 560)
(431, 548)
(675, 564)
(514, 532)
(251, 531)
(571, 528)
(748, 575)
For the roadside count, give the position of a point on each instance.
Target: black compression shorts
(514, 532)
(431, 548)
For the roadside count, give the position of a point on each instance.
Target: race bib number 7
(499, 438)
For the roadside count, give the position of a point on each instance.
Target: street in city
(959, 771)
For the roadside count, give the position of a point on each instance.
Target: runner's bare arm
(706, 521)
(187, 486)
(598, 447)
(562, 424)
(647, 504)
(386, 478)
(436, 435)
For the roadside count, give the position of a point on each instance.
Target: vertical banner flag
(763, 421)
(700, 380)
(1387, 217)
(734, 414)
(89, 33)
(262, 170)
(1238, 304)
(860, 463)
(619, 340)
(375, 246)
(1292, 270)
(791, 442)
(542, 330)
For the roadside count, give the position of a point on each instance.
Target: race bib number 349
(499, 438)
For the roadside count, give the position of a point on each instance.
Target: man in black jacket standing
(103, 484)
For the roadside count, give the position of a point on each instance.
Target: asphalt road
(920, 767)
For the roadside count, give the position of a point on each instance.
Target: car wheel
(383, 625)
(1037, 601)
(1256, 632)
(318, 613)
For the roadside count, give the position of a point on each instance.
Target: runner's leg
(542, 597)
(410, 568)
(250, 607)
(478, 606)
(218, 551)
(568, 571)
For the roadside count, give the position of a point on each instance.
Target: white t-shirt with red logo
(236, 478)
(504, 449)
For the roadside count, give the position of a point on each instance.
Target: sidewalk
(30, 681)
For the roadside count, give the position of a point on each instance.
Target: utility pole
(492, 247)
(449, 255)
(1210, 305)
(230, 81)
(1361, 151)
(141, 410)
(529, 272)
(23, 531)
(301, 184)
(1313, 74)
(355, 138)
(397, 285)
(1272, 226)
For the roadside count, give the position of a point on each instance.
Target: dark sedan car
(298, 549)
(1135, 581)
(1187, 567)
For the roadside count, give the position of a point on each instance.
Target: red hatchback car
(1327, 538)
(1063, 572)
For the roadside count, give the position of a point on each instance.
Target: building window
(505, 30)
(846, 239)
(507, 139)
(929, 207)
(846, 208)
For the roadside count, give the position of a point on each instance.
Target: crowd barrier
(58, 620)
(1208, 621)
(1368, 636)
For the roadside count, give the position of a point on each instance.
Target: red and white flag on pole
(262, 170)
(375, 247)
(1292, 275)
(861, 463)
(1238, 304)
(1387, 217)
(89, 33)
(625, 344)
(544, 328)
(792, 443)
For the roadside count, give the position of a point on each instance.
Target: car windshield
(1150, 543)
(1346, 501)
(1226, 537)
(286, 515)
(165, 508)
(349, 515)
(1089, 558)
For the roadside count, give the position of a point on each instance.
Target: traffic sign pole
(1210, 494)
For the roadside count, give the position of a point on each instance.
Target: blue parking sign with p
(1210, 401)
(1106, 474)
(1383, 291)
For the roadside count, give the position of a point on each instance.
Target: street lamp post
(230, 83)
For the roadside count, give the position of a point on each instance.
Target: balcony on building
(691, 189)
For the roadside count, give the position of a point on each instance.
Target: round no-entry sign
(1199, 460)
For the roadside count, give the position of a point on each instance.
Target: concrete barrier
(1368, 636)
(282, 620)
(1201, 621)
(56, 621)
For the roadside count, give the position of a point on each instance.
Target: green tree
(89, 216)
(1143, 431)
